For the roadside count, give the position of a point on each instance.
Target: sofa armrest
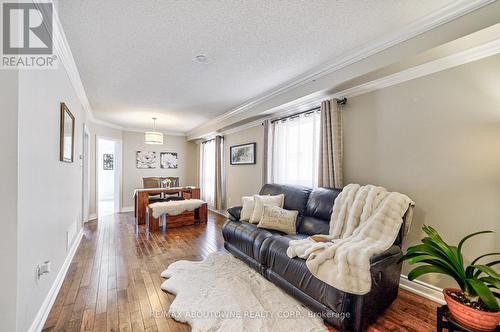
(393, 250)
(234, 213)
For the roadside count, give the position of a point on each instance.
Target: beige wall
(132, 177)
(8, 197)
(436, 139)
(50, 191)
(242, 180)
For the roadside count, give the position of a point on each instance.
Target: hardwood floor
(113, 283)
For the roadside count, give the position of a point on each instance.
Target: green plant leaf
(486, 255)
(426, 249)
(418, 271)
(446, 254)
(493, 263)
(461, 243)
(445, 248)
(486, 269)
(437, 261)
(484, 293)
(469, 271)
(492, 281)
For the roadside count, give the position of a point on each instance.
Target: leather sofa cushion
(310, 226)
(295, 196)
(234, 212)
(320, 203)
(246, 237)
(295, 271)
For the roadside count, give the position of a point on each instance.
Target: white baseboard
(44, 311)
(221, 213)
(423, 289)
(127, 209)
(92, 216)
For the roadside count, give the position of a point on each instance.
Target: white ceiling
(136, 57)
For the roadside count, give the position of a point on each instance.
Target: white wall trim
(439, 17)
(221, 213)
(454, 60)
(447, 62)
(442, 16)
(243, 127)
(131, 129)
(127, 209)
(44, 310)
(423, 289)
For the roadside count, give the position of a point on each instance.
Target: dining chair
(153, 182)
(174, 182)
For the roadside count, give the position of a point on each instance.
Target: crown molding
(473, 54)
(139, 130)
(248, 125)
(66, 59)
(439, 17)
(460, 58)
(131, 129)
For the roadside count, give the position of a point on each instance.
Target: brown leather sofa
(265, 251)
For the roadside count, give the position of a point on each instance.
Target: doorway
(85, 174)
(108, 176)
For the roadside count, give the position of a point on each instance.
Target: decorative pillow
(279, 219)
(248, 203)
(260, 201)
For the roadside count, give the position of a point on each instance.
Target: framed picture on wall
(169, 160)
(145, 159)
(66, 135)
(243, 154)
(108, 161)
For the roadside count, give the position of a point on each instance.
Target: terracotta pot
(475, 319)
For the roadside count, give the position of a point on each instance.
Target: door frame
(85, 174)
(118, 172)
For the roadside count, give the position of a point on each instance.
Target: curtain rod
(342, 101)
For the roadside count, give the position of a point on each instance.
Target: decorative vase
(475, 319)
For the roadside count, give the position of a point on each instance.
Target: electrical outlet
(42, 269)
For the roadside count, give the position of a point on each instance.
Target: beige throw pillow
(279, 219)
(260, 201)
(248, 204)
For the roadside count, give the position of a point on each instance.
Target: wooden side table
(445, 321)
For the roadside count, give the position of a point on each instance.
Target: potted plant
(475, 304)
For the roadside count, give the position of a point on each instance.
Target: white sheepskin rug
(221, 293)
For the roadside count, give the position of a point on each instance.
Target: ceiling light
(153, 137)
(201, 58)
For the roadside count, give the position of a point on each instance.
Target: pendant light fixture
(153, 137)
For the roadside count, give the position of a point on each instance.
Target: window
(207, 172)
(294, 149)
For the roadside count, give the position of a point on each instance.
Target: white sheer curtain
(295, 150)
(207, 171)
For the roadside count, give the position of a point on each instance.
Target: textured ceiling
(136, 57)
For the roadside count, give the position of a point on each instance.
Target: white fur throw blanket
(365, 221)
(174, 208)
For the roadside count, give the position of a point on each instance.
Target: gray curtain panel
(219, 172)
(331, 147)
(265, 160)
